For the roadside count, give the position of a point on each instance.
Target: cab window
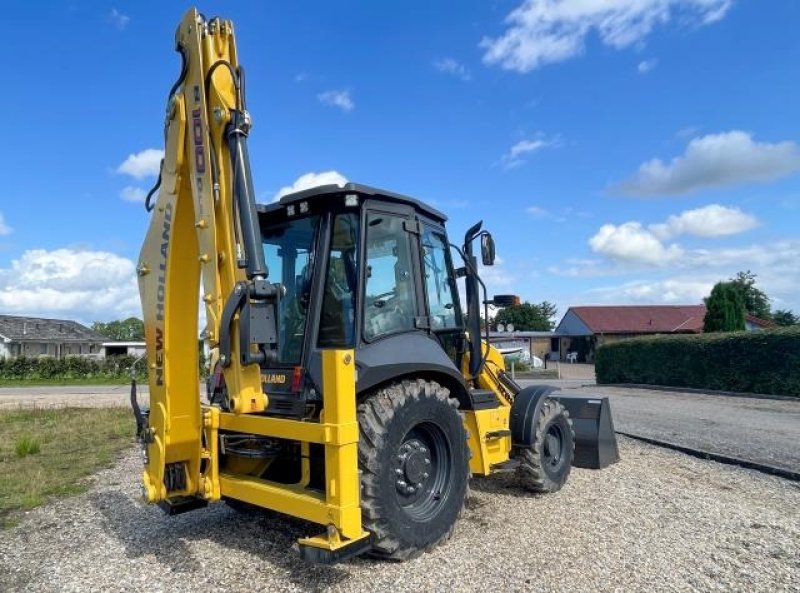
(389, 286)
(439, 283)
(337, 324)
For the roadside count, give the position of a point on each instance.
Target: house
(35, 336)
(533, 343)
(582, 329)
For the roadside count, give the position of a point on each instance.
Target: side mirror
(487, 249)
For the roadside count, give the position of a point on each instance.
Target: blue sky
(620, 152)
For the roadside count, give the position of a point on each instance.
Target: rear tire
(414, 463)
(545, 465)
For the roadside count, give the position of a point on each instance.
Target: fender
(524, 411)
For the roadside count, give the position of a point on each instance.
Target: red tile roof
(642, 319)
(649, 319)
(759, 322)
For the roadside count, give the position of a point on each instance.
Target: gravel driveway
(657, 521)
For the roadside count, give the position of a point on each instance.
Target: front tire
(414, 463)
(546, 464)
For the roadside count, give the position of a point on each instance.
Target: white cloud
(72, 283)
(130, 193)
(515, 155)
(679, 290)
(453, 68)
(713, 220)
(309, 180)
(646, 66)
(630, 242)
(540, 213)
(715, 160)
(537, 212)
(118, 19)
(340, 99)
(4, 228)
(547, 31)
(142, 164)
(689, 278)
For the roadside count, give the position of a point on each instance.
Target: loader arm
(203, 229)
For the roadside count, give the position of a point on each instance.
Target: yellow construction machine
(348, 387)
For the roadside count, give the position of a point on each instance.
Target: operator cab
(360, 268)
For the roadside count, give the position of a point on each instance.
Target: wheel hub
(413, 467)
(552, 445)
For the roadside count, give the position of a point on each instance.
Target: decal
(161, 293)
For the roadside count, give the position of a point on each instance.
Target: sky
(620, 151)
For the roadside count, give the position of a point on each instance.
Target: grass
(26, 445)
(62, 381)
(48, 452)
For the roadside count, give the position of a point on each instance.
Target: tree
(125, 330)
(528, 316)
(785, 317)
(756, 302)
(725, 310)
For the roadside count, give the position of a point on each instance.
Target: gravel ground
(89, 396)
(657, 521)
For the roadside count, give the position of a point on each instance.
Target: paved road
(759, 430)
(67, 395)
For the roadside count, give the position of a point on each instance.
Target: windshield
(289, 252)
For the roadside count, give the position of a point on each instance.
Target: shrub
(751, 362)
(71, 367)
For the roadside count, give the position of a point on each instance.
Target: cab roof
(363, 191)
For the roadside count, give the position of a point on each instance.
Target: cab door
(442, 305)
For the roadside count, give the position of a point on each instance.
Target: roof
(647, 319)
(642, 319)
(758, 321)
(366, 191)
(18, 329)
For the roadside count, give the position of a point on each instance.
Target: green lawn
(50, 452)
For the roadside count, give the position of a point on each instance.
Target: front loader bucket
(595, 439)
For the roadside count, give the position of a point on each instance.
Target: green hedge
(750, 362)
(71, 367)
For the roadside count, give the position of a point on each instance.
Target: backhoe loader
(348, 387)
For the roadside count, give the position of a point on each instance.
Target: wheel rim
(422, 471)
(553, 450)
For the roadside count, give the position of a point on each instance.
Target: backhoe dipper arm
(203, 227)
